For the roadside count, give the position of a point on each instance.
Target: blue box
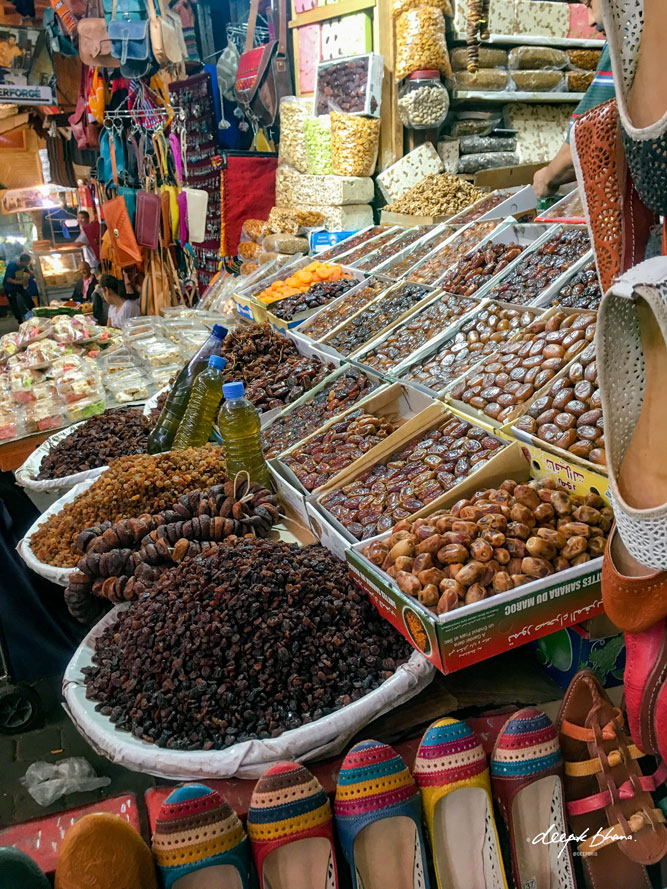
(582, 647)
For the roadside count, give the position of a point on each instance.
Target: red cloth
(248, 192)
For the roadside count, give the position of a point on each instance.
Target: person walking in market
(15, 285)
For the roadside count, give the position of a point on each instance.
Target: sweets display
(333, 315)
(325, 455)
(132, 485)
(417, 474)
(335, 397)
(200, 611)
(438, 195)
(115, 433)
(569, 416)
(478, 267)
(520, 368)
(408, 171)
(381, 314)
(119, 559)
(300, 281)
(415, 331)
(479, 336)
(582, 291)
(432, 269)
(542, 266)
(493, 542)
(316, 295)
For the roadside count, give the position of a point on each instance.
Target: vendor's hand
(542, 185)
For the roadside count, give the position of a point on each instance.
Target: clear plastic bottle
(197, 422)
(239, 426)
(163, 435)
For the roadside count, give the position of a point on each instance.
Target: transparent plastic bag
(538, 81)
(354, 143)
(489, 57)
(292, 147)
(421, 43)
(588, 59)
(48, 781)
(318, 145)
(579, 80)
(474, 126)
(398, 7)
(479, 144)
(255, 229)
(485, 79)
(284, 244)
(488, 160)
(531, 57)
(249, 250)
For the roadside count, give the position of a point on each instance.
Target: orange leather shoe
(633, 604)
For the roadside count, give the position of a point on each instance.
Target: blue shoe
(19, 871)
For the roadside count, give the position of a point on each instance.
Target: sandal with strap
(609, 806)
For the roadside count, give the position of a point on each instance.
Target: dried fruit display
(519, 369)
(582, 291)
(255, 639)
(479, 336)
(481, 207)
(539, 269)
(332, 316)
(414, 332)
(332, 399)
(370, 247)
(402, 264)
(417, 474)
(120, 558)
(476, 268)
(131, 486)
(440, 194)
(353, 241)
(499, 539)
(384, 252)
(316, 295)
(115, 433)
(381, 314)
(569, 416)
(435, 267)
(333, 450)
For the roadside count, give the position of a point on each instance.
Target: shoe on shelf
(199, 841)
(632, 372)
(291, 830)
(635, 598)
(612, 816)
(527, 778)
(19, 871)
(102, 851)
(452, 774)
(378, 819)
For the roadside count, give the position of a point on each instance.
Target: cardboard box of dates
(488, 626)
(352, 84)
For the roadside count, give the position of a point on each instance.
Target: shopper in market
(122, 305)
(560, 171)
(88, 230)
(86, 284)
(15, 284)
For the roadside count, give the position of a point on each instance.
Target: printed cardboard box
(582, 647)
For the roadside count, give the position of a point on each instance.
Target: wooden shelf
(332, 11)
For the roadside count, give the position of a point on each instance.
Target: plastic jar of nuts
(423, 101)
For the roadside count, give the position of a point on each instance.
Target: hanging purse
(125, 247)
(94, 42)
(167, 236)
(130, 41)
(197, 199)
(148, 219)
(183, 217)
(111, 161)
(57, 38)
(164, 39)
(263, 75)
(97, 95)
(84, 132)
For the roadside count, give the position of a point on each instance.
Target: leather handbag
(148, 219)
(84, 132)
(172, 192)
(111, 161)
(57, 38)
(130, 41)
(197, 199)
(125, 247)
(94, 42)
(164, 38)
(165, 201)
(263, 75)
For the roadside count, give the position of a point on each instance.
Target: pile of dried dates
(499, 539)
(479, 266)
(317, 295)
(582, 291)
(332, 316)
(412, 477)
(120, 558)
(115, 433)
(520, 368)
(402, 264)
(325, 455)
(431, 269)
(335, 397)
(256, 638)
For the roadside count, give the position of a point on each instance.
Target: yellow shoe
(452, 774)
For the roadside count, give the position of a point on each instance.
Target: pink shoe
(645, 692)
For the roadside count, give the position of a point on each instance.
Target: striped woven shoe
(378, 819)
(527, 774)
(291, 830)
(197, 832)
(453, 778)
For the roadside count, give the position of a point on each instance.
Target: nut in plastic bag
(398, 7)
(292, 147)
(48, 781)
(354, 144)
(421, 43)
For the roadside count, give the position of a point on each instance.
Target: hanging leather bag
(94, 42)
(125, 247)
(83, 130)
(130, 41)
(164, 37)
(263, 75)
(148, 219)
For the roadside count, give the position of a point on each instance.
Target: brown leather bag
(124, 243)
(263, 75)
(94, 43)
(161, 287)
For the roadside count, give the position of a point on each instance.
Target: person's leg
(16, 305)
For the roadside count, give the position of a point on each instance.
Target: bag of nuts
(421, 43)
(398, 7)
(354, 144)
(292, 147)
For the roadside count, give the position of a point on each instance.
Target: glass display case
(56, 272)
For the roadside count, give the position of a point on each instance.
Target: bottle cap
(217, 362)
(219, 332)
(233, 390)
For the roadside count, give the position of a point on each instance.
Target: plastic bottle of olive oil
(239, 426)
(195, 427)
